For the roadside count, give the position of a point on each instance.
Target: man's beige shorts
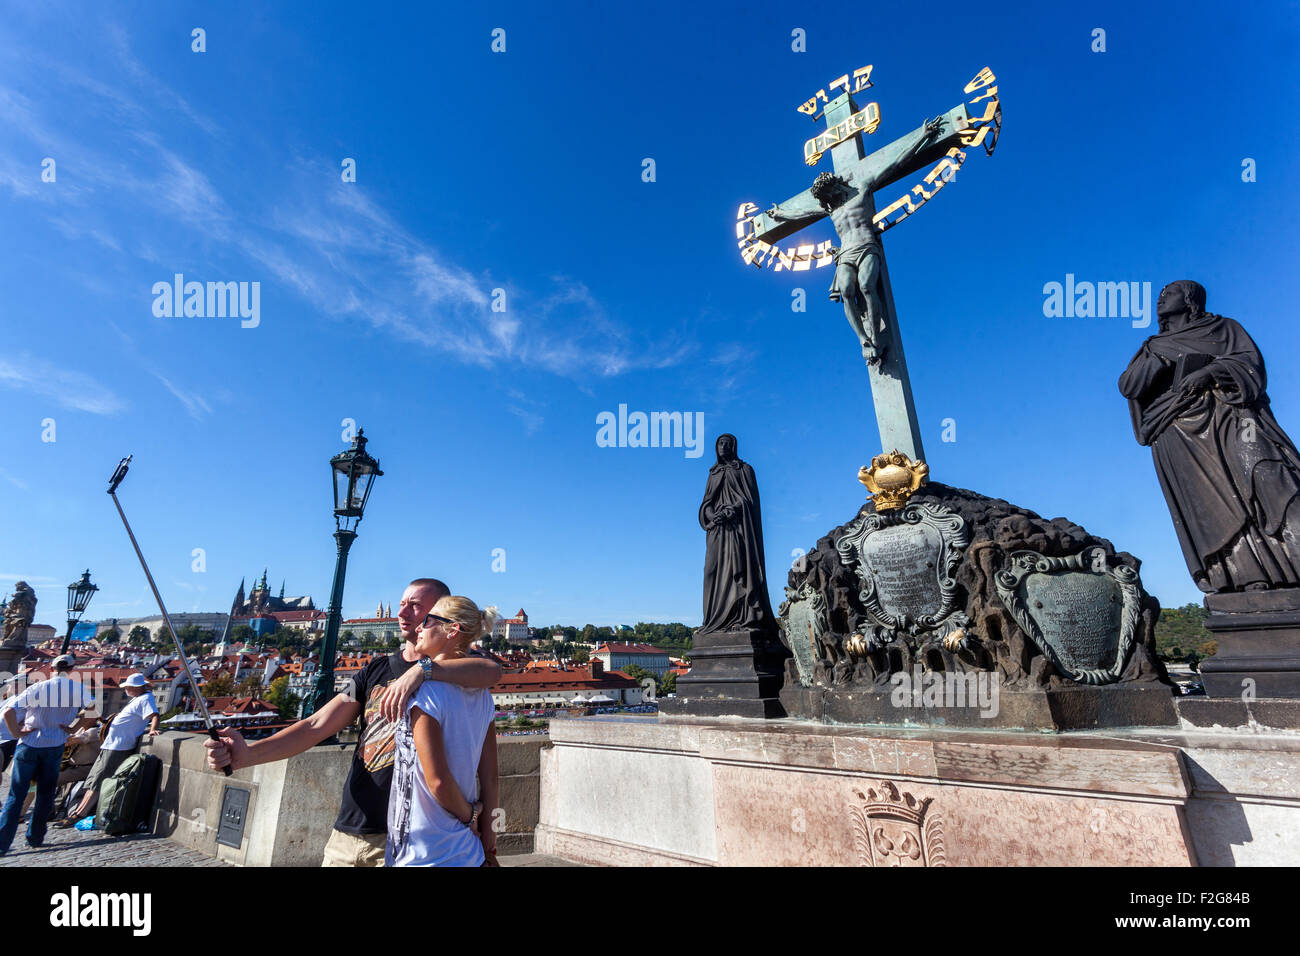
(354, 849)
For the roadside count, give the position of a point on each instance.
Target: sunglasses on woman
(432, 619)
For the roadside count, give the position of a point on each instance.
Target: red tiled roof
(579, 678)
(238, 705)
(630, 649)
(299, 615)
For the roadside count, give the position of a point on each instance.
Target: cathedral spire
(282, 589)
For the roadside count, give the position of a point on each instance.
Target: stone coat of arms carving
(894, 828)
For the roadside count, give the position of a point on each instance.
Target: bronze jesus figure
(852, 208)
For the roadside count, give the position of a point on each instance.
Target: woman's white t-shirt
(420, 831)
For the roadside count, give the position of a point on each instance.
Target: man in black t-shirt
(361, 827)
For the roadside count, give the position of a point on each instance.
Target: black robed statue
(735, 585)
(1230, 475)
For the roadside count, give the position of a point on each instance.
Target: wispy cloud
(332, 243)
(194, 402)
(62, 387)
(22, 485)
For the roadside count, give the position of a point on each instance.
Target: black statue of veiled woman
(735, 584)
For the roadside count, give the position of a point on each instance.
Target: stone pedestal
(733, 674)
(1259, 640)
(635, 792)
(11, 656)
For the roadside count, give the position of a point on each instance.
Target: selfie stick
(116, 480)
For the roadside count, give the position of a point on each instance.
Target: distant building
(306, 621)
(547, 686)
(260, 603)
(157, 628)
(383, 627)
(514, 629)
(647, 657)
(39, 633)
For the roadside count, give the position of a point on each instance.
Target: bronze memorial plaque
(901, 562)
(906, 560)
(1079, 611)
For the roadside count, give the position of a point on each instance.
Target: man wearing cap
(41, 717)
(122, 735)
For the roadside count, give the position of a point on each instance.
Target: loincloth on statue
(853, 257)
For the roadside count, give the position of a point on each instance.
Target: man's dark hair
(826, 188)
(63, 666)
(434, 583)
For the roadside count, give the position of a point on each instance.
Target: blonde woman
(445, 763)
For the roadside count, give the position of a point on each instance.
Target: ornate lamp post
(79, 595)
(354, 471)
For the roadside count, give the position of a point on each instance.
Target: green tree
(580, 655)
(139, 635)
(242, 634)
(668, 684)
(223, 685)
(1181, 629)
(250, 686)
(111, 636)
(280, 697)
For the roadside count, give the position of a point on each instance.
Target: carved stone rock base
(1056, 708)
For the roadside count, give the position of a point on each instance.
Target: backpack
(126, 798)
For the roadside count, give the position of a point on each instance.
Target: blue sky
(522, 171)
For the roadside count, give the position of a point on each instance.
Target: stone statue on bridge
(1230, 474)
(19, 614)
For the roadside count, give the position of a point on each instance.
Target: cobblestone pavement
(95, 848)
(72, 847)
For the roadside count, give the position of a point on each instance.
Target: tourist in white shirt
(8, 741)
(41, 717)
(122, 736)
(444, 788)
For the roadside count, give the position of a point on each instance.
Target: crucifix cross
(847, 197)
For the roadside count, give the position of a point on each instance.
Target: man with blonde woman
(376, 697)
(444, 791)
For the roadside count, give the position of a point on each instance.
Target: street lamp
(353, 471)
(79, 595)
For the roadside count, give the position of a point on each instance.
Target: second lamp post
(79, 595)
(354, 471)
